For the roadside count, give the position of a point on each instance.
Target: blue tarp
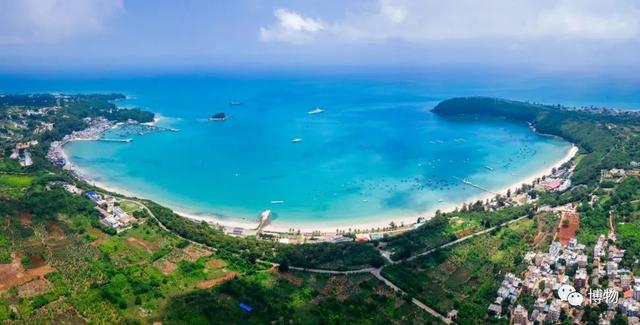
(245, 307)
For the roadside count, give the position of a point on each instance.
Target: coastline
(383, 221)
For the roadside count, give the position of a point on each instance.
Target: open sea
(375, 153)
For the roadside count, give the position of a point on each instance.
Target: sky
(536, 35)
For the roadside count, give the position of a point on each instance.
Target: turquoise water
(375, 154)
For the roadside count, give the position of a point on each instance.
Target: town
(597, 274)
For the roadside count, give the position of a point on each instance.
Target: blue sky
(538, 35)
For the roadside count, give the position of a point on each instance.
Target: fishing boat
(234, 103)
(296, 140)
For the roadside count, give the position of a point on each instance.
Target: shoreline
(408, 221)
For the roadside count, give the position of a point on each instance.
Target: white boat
(277, 202)
(296, 140)
(317, 110)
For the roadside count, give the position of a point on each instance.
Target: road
(376, 272)
(161, 225)
(459, 240)
(332, 272)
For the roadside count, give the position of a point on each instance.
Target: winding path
(376, 272)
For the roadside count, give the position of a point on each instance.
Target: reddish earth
(194, 253)
(296, 281)
(36, 260)
(166, 267)
(212, 282)
(216, 264)
(14, 274)
(569, 224)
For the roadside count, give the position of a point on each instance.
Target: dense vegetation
(246, 251)
(338, 256)
(297, 298)
(446, 227)
(465, 277)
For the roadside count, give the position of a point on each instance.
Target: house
(496, 309)
(553, 185)
(564, 186)
(520, 316)
(111, 222)
(581, 278)
(95, 197)
(237, 231)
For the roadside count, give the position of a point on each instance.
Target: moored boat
(317, 110)
(219, 117)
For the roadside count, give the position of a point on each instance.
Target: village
(597, 274)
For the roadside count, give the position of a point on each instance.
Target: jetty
(480, 187)
(264, 217)
(116, 140)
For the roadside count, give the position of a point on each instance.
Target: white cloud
(46, 21)
(462, 20)
(291, 27)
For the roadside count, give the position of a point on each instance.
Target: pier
(480, 187)
(116, 140)
(264, 217)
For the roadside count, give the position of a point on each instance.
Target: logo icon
(575, 299)
(569, 294)
(564, 291)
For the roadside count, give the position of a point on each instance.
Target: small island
(219, 117)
